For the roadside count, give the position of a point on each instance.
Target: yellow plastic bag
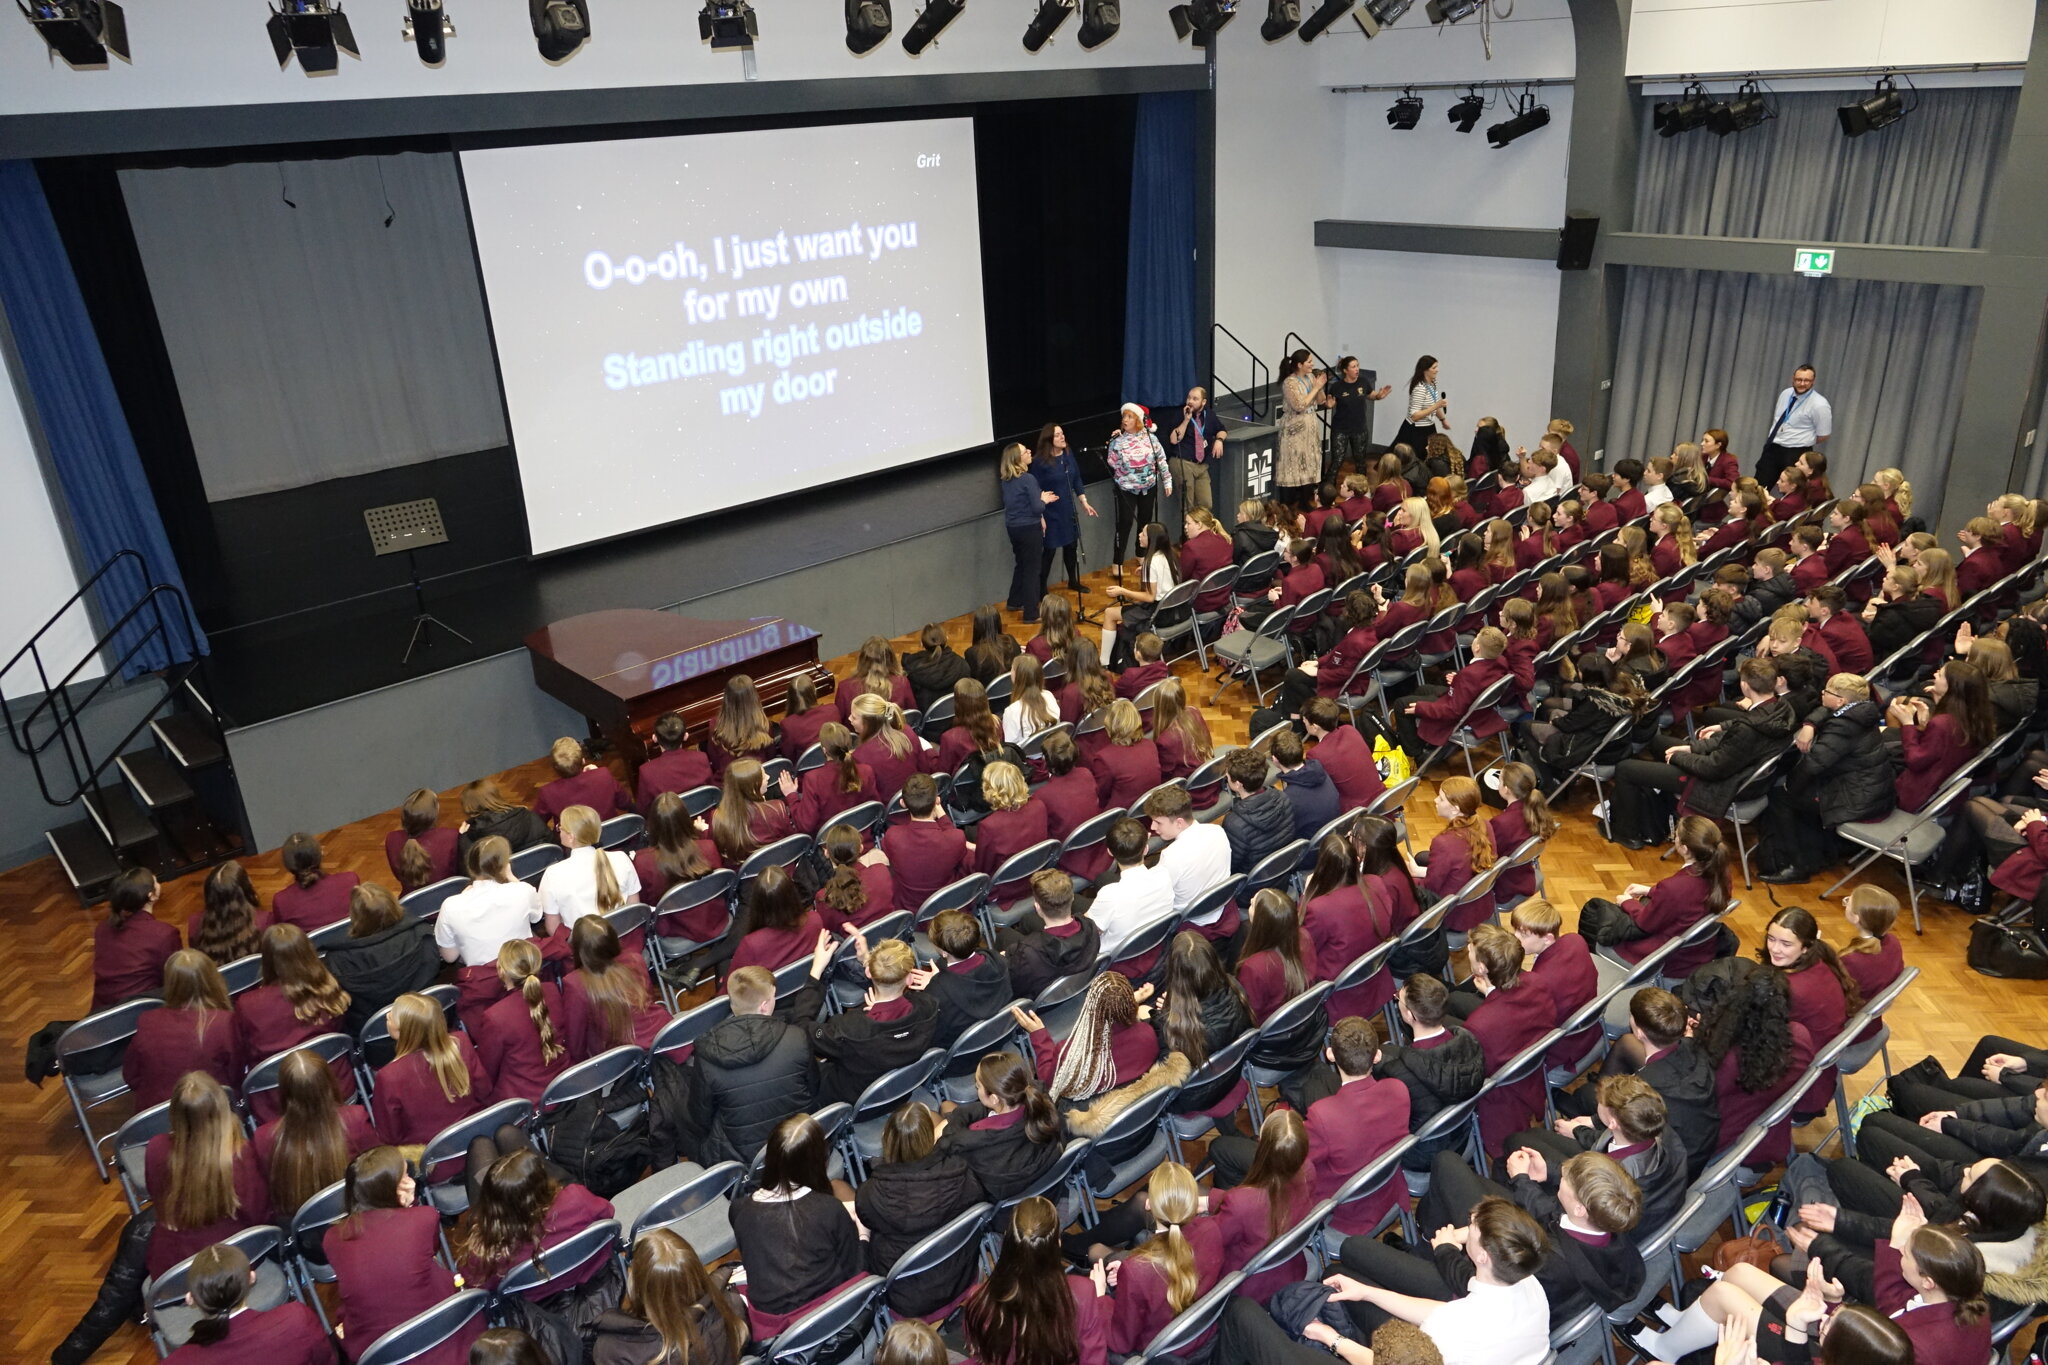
(1394, 764)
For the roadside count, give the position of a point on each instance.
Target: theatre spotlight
(1465, 113)
(1743, 110)
(1689, 111)
(1378, 14)
(559, 26)
(1051, 14)
(427, 27)
(82, 32)
(1327, 14)
(1451, 11)
(937, 14)
(1100, 19)
(1201, 20)
(1880, 109)
(727, 24)
(1529, 117)
(314, 29)
(1406, 112)
(867, 23)
(1282, 18)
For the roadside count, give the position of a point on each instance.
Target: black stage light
(1451, 11)
(728, 24)
(1282, 18)
(82, 32)
(1406, 113)
(937, 14)
(1379, 14)
(867, 23)
(559, 26)
(1691, 110)
(1202, 20)
(1100, 19)
(1880, 109)
(314, 29)
(1531, 117)
(1327, 14)
(428, 28)
(1051, 14)
(1744, 110)
(1465, 113)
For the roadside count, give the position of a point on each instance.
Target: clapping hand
(785, 784)
(1911, 1219)
(1819, 1217)
(1737, 1345)
(920, 977)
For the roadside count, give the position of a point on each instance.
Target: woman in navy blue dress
(1059, 473)
(1024, 518)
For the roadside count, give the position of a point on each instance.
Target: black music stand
(404, 527)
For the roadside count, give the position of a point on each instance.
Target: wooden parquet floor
(62, 1223)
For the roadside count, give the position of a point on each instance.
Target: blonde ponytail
(519, 968)
(1174, 1200)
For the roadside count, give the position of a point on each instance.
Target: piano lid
(631, 652)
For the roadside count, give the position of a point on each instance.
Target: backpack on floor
(2008, 951)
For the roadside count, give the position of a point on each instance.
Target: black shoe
(681, 975)
(1786, 876)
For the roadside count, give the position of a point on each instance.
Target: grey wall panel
(324, 767)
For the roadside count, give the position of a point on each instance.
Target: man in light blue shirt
(1801, 421)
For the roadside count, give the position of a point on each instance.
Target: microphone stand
(1082, 616)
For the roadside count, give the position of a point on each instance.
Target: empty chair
(89, 1058)
(131, 1143)
(622, 832)
(689, 1201)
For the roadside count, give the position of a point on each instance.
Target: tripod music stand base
(422, 633)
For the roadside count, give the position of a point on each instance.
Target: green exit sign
(1809, 260)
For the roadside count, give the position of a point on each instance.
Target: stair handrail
(32, 651)
(1260, 387)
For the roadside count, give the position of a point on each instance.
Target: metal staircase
(170, 802)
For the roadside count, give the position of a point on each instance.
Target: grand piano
(624, 669)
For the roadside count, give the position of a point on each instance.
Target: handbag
(1758, 1249)
(2007, 951)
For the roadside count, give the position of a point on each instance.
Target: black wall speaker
(1575, 241)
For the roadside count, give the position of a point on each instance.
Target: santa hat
(1144, 413)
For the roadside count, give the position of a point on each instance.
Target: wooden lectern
(627, 668)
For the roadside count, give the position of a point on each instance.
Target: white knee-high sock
(1693, 1331)
(1108, 645)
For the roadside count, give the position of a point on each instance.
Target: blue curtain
(1159, 291)
(94, 453)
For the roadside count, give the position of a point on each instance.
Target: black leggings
(508, 1139)
(1071, 551)
(1133, 511)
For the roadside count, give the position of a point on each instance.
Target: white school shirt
(1494, 1324)
(1197, 861)
(568, 889)
(1655, 495)
(1138, 897)
(483, 917)
(1017, 729)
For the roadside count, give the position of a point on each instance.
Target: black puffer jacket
(932, 673)
(1896, 623)
(1251, 539)
(1004, 1160)
(517, 825)
(377, 970)
(859, 1049)
(1039, 959)
(1258, 825)
(900, 1203)
(752, 1072)
(968, 996)
(1436, 1077)
(1593, 712)
(1718, 764)
(1764, 596)
(1692, 1105)
(1847, 770)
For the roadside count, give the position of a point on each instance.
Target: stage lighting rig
(560, 27)
(1880, 109)
(1406, 111)
(1529, 116)
(1380, 14)
(1451, 11)
(316, 30)
(1682, 115)
(1282, 18)
(937, 14)
(728, 24)
(1464, 115)
(1201, 20)
(1744, 110)
(428, 28)
(1100, 19)
(867, 24)
(1328, 13)
(82, 32)
(1051, 14)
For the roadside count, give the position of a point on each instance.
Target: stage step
(89, 865)
(121, 822)
(189, 739)
(156, 779)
